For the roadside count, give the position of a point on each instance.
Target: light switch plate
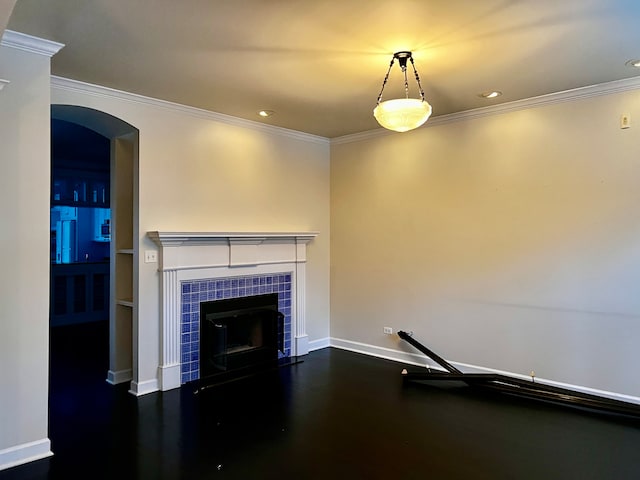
(150, 256)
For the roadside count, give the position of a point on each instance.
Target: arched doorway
(123, 271)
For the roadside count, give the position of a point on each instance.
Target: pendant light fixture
(402, 114)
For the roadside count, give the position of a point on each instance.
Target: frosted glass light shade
(402, 114)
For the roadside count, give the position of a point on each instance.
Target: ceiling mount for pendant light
(402, 114)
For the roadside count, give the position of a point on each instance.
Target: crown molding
(66, 84)
(31, 44)
(617, 86)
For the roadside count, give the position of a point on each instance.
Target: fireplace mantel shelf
(205, 238)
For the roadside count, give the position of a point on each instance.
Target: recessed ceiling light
(492, 94)
(266, 113)
(633, 63)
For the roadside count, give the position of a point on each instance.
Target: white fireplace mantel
(203, 238)
(203, 255)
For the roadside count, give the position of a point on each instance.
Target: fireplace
(240, 335)
(199, 267)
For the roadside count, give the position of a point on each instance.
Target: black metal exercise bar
(515, 386)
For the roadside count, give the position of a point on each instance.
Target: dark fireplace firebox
(239, 336)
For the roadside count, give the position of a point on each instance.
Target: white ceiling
(319, 64)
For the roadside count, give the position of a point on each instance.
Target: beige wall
(24, 254)
(199, 174)
(509, 241)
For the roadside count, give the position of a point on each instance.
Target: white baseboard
(143, 388)
(421, 360)
(380, 352)
(27, 452)
(319, 344)
(120, 376)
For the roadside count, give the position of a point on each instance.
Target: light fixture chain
(384, 82)
(417, 79)
(406, 83)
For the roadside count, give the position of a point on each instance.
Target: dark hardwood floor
(337, 415)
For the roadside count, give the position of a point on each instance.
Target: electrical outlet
(150, 256)
(625, 120)
(388, 330)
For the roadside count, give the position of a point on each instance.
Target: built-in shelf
(125, 251)
(125, 302)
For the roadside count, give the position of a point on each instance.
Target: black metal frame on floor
(514, 386)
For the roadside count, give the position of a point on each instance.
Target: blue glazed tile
(184, 368)
(184, 378)
(231, 287)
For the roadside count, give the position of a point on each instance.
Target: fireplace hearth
(240, 336)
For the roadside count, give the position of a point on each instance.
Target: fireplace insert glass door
(239, 334)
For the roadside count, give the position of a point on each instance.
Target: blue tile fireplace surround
(193, 292)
